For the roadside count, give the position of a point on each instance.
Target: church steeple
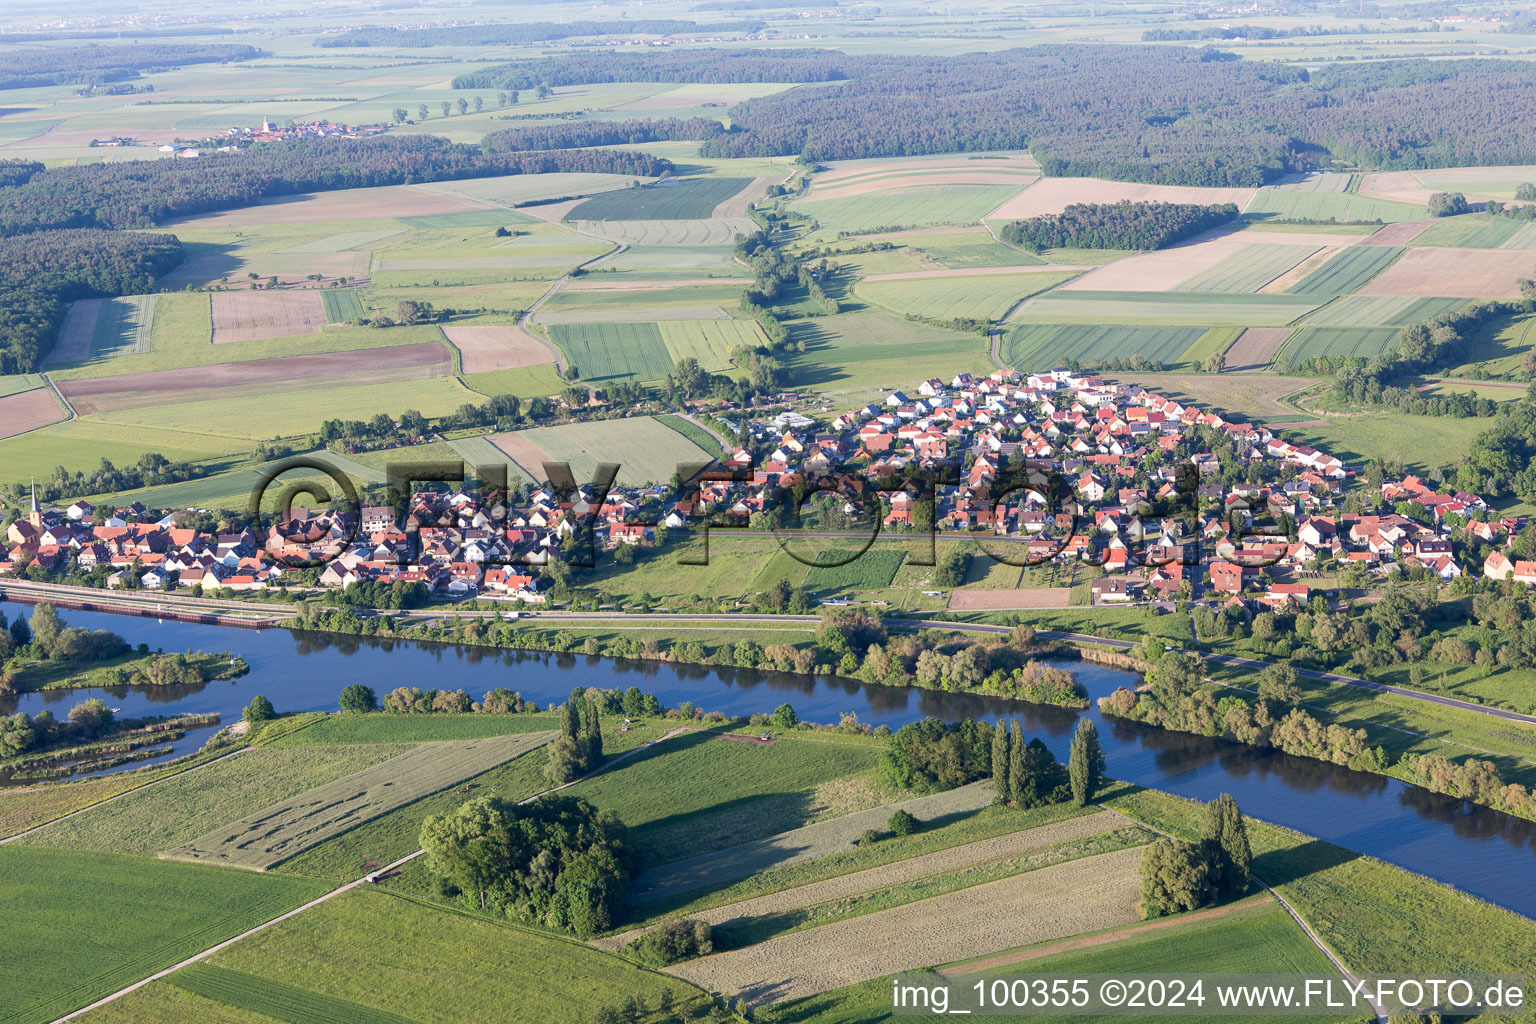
(36, 518)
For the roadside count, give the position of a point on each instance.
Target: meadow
(1041, 346)
(868, 350)
(282, 830)
(873, 570)
(704, 792)
(184, 806)
(645, 450)
(672, 199)
(69, 942)
(1347, 271)
(987, 297)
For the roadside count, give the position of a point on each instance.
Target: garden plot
(720, 868)
(1090, 894)
(679, 232)
(1052, 195)
(28, 410)
(483, 348)
(1479, 273)
(249, 316)
(1039, 346)
(1249, 268)
(284, 829)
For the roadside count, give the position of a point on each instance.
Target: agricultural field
(514, 190)
(670, 199)
(943, 296)
(645, 450)
(873, 570)
(870, 350)
(1347, 271)
(1165, 309)
(342, 304)
(1050, 903)
(67, 944)
(1052, 195)
(282, 830)
(613, 351)
(27, 410)
(659, 258)
(251, 316)
(969, 250)
(858, 177)
(1041, 346)
(1291, 204)
(679, 233)
(105, 328)
(1498, 347)
(1380, 311)
(1479, 273)
(183, 807)
(486, 348)
(906, 207)
(1360, 342)
(1249, 269)
(1256, 347)
(705, 791)
(711, 342)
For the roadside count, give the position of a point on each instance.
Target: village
(1158, 488)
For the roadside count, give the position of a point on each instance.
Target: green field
(1497, 347)
(342, 304)
(82, 925)
(907, 207)
(185, 806)
(467, 219)
(1361, 342)
(617, 351)
(985, 296)
(289, 827)
(1257, 938)
(1420, 443)
(273, 999)
(873, 570)
(124, 327)
(671, 199)
(1379, 311)
(711, 342)
(479, 452)
(653, 260)
(1167, 309)
(1251, 268)
(971, 249)
(1212, 342)
(386, 727)
(1288, 204)
(692, 431)
(871, 349)
(703, 792)
(516, 189)
(16, 383)
(1347, 271)
(646, 451)
(522, 381)
(1041, 346)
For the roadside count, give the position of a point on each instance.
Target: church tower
(36, 518)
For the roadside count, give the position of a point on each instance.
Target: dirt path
(1087, 941)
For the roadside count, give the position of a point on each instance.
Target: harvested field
(669, 232)
(503, 347)
(1283, 283)
(1054, 902)
(1398, 234)
(1163, 270)
(74, 344)
(348, 204)
(598, 316)
(720, 868)
(285, 829)
(156, 387)
(522, 453)
(1396, 187)
(1052, 195)
(289, 268)
(28, 410)
(249, 316)
(739, 204)
(1347, 271)
(844, 172)
(1318, 182)
(1249, 269)
(1255, 348)
(997, 600)
(1093, 824)
(1480, 273)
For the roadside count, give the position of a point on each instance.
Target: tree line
(41, 273)
(1122, 225)
(93, 65)
(518, 35)
(708, 66)
(141, 193)
(580, 134)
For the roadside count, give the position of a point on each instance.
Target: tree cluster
(930, 755)
(707, 67)
(579, 747)
(93, 65)
(673, 942)
(557, 862)
(1177, 876)
(1025, 773)
(581, 134)
(1122, 225)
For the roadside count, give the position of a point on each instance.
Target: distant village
(237, 138)
(1123, 450)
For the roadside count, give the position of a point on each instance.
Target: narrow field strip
(275, 999)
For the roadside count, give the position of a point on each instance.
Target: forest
(513, 35)
(41, 273)
(578, 134)
(1176, 116)
(24, 69)
(1123, 225)
(140, 193)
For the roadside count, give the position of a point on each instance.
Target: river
(1480, 851)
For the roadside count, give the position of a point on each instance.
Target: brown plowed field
(741, 202)
(1399, 234)
(484, 348)
(1255, 348)
(28, 410)
(248, 316)
(130, 390)
(1476, 273)
(522, 452)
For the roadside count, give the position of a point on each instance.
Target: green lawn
(82, 925)
(702, 792)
